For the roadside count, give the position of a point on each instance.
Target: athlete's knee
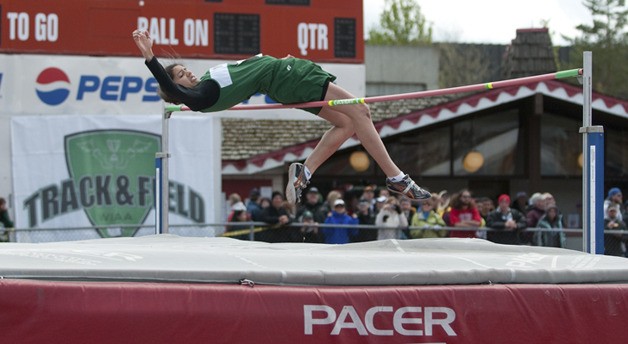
(365, 111)
(347, 128)
(349, 131)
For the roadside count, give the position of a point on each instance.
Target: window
(616, 141)
(424, 152)
(495, 137)
(561, 145)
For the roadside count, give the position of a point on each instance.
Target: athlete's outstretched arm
(197, 98)
(144, 43)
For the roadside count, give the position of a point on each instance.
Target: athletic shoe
(296, 183)
(408, 188)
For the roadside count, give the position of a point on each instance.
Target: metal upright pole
(162, 186)
(592, 169)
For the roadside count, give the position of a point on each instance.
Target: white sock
(308, 174)
(398, 177)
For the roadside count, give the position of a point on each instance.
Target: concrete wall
(400, 69)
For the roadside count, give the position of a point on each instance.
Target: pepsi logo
(53, 86)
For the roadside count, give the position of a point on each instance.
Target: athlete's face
(183, 77)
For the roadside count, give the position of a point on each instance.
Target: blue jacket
(335, 235)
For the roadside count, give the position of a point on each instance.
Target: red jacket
(458, 215)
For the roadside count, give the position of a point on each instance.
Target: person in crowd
(390, 220)
(368, 194)
(464, 214)
(338, 216)
(408, 211)
(379, 204)
(485, 206)
(614, 198)
(309, 231)
(366, 216)
(238, 206)
(406, 208)
(614, 243)
(536, 210)
(520, 203)
(253, 206)
(383, 193)
(549, 199)
(5, 219)
(328, 206)
(506, 223)
(233, 199)
(442, 206)
(279, 219)
(426, 222)
(239, 214)
(552, 234)
(312, 204)
(264, 203)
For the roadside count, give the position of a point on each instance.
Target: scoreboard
(319, 30)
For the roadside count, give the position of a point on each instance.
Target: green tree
(401, 23)
(462, 64)
(609, 23)
(608, 40)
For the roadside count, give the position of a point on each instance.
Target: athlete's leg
(347, 120)
(332, 139)
(341, 131)
(360, 117)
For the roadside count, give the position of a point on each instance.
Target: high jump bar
(412, 95)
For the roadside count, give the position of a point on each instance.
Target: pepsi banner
(98, 171)
(36, 84)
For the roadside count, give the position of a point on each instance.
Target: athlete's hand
(144, 43)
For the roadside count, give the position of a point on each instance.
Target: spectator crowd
(521, 220)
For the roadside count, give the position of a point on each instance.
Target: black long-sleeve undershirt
(202, 96)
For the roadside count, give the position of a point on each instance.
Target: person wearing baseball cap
(313, 203)
(338, 216)
(506, 223)
(615, 198)
(309, 230)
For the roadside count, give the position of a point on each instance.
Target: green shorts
(299, 81)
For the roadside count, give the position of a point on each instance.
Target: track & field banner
(98, 171)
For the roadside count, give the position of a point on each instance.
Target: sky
(492, 21)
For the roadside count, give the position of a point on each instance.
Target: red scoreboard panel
(319, 30)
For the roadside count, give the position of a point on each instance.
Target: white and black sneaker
(408, 188)
(296, 182)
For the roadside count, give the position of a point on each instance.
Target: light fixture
(473, 161)
(359, 161)
(581, 160)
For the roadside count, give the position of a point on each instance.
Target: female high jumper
(288, 81)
